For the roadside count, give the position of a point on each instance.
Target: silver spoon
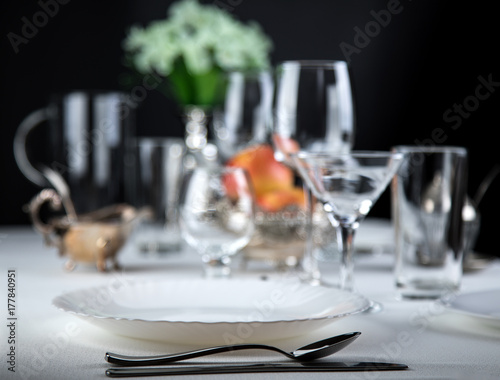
(311, 351)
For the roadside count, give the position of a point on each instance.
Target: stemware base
(216, 267)
(375, 307)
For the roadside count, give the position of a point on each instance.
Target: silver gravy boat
(92, 238)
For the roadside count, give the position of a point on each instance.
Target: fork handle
(163, 359)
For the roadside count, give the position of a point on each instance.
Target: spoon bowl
(325, 347)
(311, 351)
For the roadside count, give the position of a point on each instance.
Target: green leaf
(207, 87)
(181, 86)
(204, 90)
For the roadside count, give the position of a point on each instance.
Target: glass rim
(313, 63)
(92, 92)
(460, 150)
(354, 154)
(249, 72)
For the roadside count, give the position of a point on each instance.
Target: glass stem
(309, 262)
(345, 236)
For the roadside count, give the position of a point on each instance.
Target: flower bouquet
(192, 47)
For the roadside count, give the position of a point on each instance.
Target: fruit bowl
(280, 237)
(281, 217)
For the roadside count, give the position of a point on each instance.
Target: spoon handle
(163, 359)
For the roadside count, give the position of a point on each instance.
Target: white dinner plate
(484, 305)
(212, 311)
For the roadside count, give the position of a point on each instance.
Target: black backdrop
(413, 76)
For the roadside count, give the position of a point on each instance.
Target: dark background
(424, 61)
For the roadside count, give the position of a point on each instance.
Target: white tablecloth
(50, 344)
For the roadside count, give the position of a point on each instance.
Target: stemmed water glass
(243, 117)
(348, 185)
(313, 112)
(216, 212)
(313, 108)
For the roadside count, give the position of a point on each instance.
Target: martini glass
(313, 112)
(348, 185)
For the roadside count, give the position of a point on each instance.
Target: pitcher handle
(26, 126)
(47, 230)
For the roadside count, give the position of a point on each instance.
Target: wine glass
(313, 108)
(243, 117)
(348, 185)
(313, 112)
(216, 211)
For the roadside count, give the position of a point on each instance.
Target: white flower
(203, 36)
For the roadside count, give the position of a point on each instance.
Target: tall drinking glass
(313, 112)
(429, 196)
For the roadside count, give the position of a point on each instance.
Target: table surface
(434, 342)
